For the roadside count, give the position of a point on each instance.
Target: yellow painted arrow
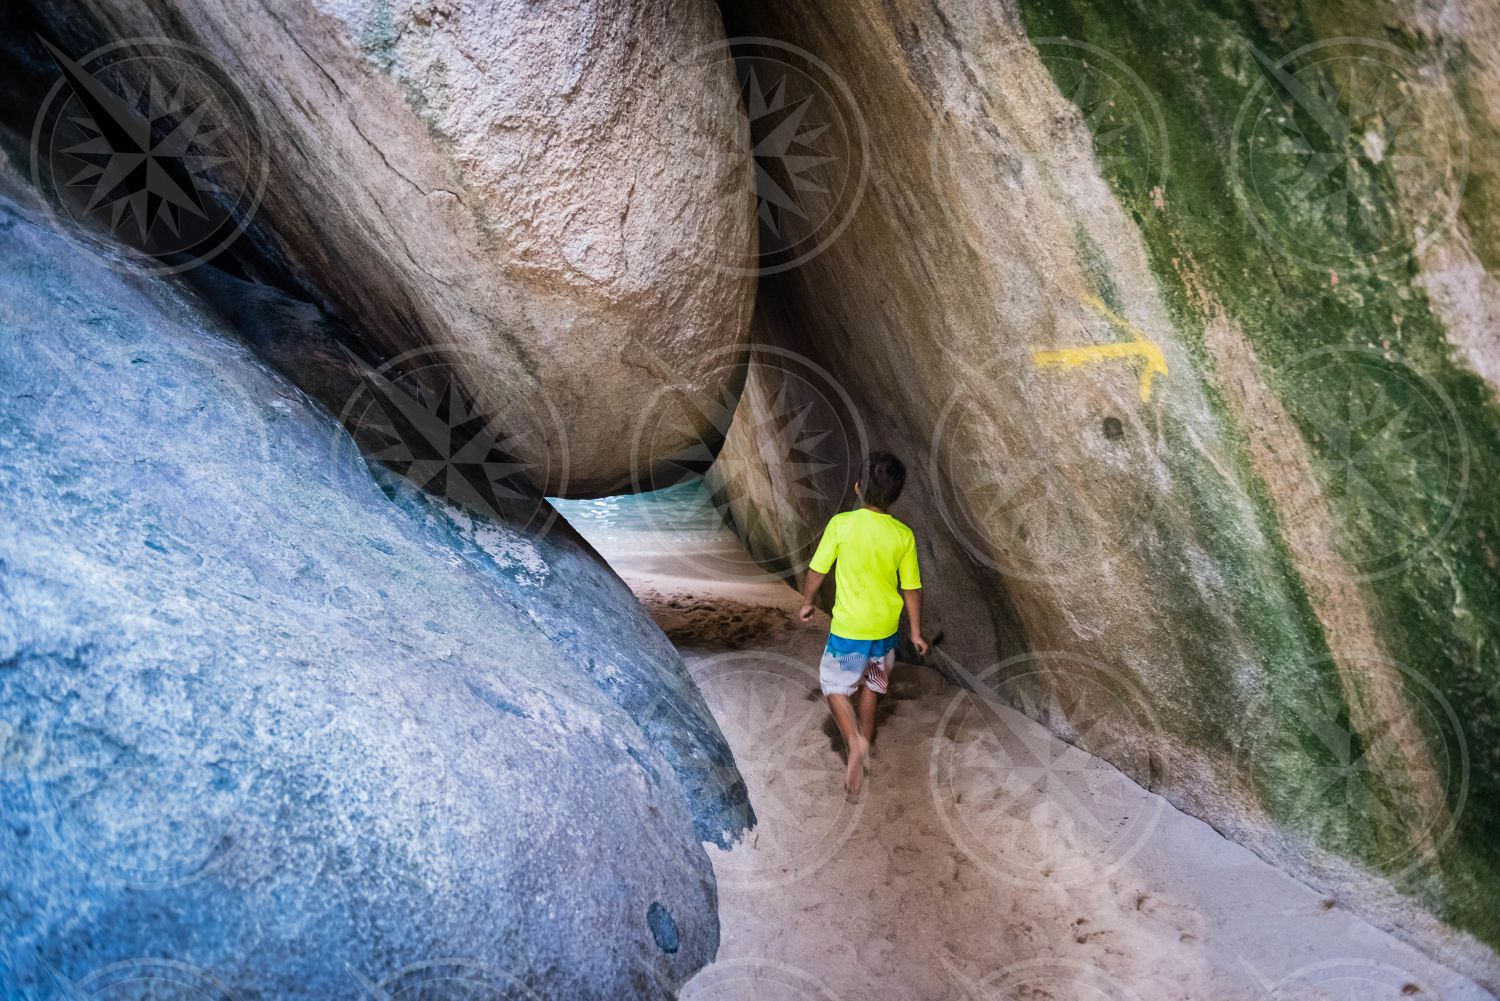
(1137, 347)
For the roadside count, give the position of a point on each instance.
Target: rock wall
(1183, 334)
(526, 192)
(278, 725)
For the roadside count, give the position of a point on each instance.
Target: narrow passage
(987, 858)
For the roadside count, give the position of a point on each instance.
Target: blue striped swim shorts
(847, 664)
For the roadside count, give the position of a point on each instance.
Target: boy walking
(877, 576)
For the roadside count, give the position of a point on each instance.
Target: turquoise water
(678, 532)
(677, 517)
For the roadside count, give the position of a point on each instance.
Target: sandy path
(987, 858)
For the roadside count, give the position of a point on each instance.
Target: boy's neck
(871, 507)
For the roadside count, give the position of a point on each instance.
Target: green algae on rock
(1288, 539)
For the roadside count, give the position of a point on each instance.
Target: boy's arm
(913, 601)
(818, 567)
(911, 593)
(810, 591)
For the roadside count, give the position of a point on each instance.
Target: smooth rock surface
(1089, 887)
(1168, 421)
(540, 196)
(278, 728)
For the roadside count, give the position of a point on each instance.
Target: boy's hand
(918, 642)
(809, 592)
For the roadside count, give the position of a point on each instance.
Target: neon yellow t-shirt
(876, 554)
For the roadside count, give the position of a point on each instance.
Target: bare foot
(854, 774)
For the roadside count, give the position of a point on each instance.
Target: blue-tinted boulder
(278, 727)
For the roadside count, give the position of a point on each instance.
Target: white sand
(987, 858)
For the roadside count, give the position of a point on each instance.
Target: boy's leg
(843, 715)
(872, 686)
(868, 700)
(854, 740)
(839, 677)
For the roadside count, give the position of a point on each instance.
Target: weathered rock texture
(536, 194)
(278, 728)
(1262, 499)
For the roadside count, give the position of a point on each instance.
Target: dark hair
(884, 477)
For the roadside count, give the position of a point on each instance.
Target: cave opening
(931, 299)
(678, 549)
